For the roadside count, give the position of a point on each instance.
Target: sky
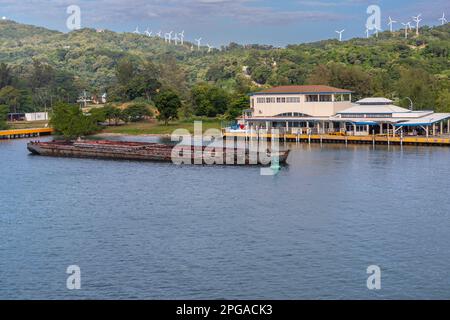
(220, 22)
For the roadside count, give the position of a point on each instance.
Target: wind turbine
(159, 34)
(168, 37)
(209, 48)
(136, 31)
(148, 33)
(175, 38)
(407, 27)
(376, 31)
(391, 24)
(340, 34)
(182, 37)
(417, 21)
(367, 32)
(198, 43)
(443, 19)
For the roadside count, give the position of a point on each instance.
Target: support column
(442, 128)
(354, 129)
(448, 126)
(434, 129)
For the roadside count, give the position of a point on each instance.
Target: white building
(309, 101)
(36, 116)
(328, 110)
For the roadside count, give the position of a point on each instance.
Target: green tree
(98, 114)
(125, 71)
(137, 112)
(168, 103)
(3, 117)
(237, 106)
(42, 74)
(137, 81)
(11, 97)
(418, 85)
(5, 75)
(341, 76)
(219, 72)
(147, 80)
(113, 114)
(71, 123)
(208, 100)
(443, 101)
(261, 74)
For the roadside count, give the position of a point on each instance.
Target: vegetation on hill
(3, 116)
(40, 67)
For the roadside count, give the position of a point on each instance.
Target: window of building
(325, 98)
(292, 114)
(342, 97)
(312, 98)
(293, 99)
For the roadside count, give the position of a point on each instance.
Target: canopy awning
(425, 121)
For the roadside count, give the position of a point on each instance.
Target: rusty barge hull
(138, 151)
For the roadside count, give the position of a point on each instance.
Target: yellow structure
(25, 133)
(328, 138)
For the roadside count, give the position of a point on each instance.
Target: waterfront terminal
(320, 113)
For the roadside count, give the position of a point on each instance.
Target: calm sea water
(159, 231)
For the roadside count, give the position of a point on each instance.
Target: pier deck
(25, 133)
(372, 139)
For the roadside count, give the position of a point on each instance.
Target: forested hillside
(40, 67)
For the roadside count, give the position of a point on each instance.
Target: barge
(142, 151)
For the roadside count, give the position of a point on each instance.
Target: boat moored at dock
(179, 154)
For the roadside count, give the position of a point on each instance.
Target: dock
(25, 133)
(346, 139)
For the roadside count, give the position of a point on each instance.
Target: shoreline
(156, 135)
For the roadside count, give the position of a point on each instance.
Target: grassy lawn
(26, 125)
(154, 127)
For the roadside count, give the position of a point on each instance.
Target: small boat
(142, 151)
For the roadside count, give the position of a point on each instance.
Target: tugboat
(120, 150)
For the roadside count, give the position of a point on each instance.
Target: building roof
(425, 121)
(375, 101)
(373, 109)
(303, 90)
